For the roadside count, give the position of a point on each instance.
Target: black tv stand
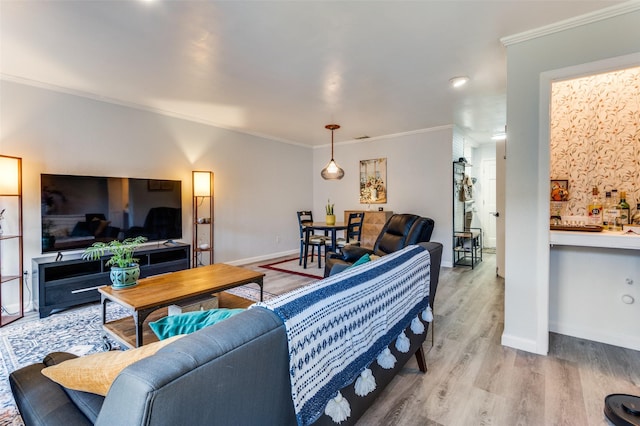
(74, 281)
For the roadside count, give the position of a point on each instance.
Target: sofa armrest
(338, 267)
(352, 253)
(42, 401)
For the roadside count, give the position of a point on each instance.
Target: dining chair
(353, 234)
(305, 217)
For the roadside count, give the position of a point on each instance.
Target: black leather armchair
(401, 230)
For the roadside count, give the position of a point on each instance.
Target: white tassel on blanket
(417, 326)
(403, 343)
(338, 409)
(386, 359)
(427, 314)
(366, 383)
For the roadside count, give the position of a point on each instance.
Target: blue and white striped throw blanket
(338, 326)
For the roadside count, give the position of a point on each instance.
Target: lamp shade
(201, 184)
(332, 171)
(9, 175)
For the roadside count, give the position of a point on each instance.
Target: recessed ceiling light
(460, 81)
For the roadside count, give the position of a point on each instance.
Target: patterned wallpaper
(595, 136)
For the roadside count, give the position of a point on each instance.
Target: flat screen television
(80, 210)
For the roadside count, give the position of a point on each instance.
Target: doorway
(489, 202)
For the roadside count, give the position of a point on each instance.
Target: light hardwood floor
(474, 380)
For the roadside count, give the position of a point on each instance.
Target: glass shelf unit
(11, 260)
(203, 248)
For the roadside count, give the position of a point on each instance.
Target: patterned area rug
(291, 266)
(77, 330)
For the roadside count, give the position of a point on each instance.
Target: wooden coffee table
(153, 293)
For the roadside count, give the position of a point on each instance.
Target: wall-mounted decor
(559, 190)
(373, 181)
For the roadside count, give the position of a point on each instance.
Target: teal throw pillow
(364, 259)
(189, 322)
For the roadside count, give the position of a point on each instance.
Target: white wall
(259, 183)
(419, 175)
(527, 174)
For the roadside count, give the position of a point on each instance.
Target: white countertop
(605, 239)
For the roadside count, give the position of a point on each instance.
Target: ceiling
(281, 69)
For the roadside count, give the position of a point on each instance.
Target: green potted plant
(331, 218)
(125, 270)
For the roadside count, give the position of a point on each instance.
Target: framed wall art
(373, 181)
(559, 189)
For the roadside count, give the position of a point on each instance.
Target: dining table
(332, 230)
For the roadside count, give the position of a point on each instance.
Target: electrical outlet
(277, 239)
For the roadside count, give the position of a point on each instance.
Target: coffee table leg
(138, 320)
(261, 284)
(104, 309)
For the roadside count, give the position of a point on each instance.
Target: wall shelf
(604, 239)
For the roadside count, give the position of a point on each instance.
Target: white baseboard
(262, 258)
(609, 336)
(515, 342)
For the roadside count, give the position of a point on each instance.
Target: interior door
(489, 202)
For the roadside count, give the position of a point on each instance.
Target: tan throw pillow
(96, 372)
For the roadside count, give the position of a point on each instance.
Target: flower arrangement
(372, 189)
(329, 208)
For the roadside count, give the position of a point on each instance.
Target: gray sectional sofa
(233, 373)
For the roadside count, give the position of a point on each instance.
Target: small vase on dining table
(331, 219)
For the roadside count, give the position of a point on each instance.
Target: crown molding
(141, 107)
(390, 136)
(588, 18)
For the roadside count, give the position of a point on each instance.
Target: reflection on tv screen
(80, 210)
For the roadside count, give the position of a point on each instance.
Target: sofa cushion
(189, 322)
(94, 373)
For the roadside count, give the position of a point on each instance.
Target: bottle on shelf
(609, 212)
(615, 211)
(635, 219)
(594, 209)
(625, 209)
(615, 198)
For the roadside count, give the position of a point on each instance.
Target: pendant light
(332, 171)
